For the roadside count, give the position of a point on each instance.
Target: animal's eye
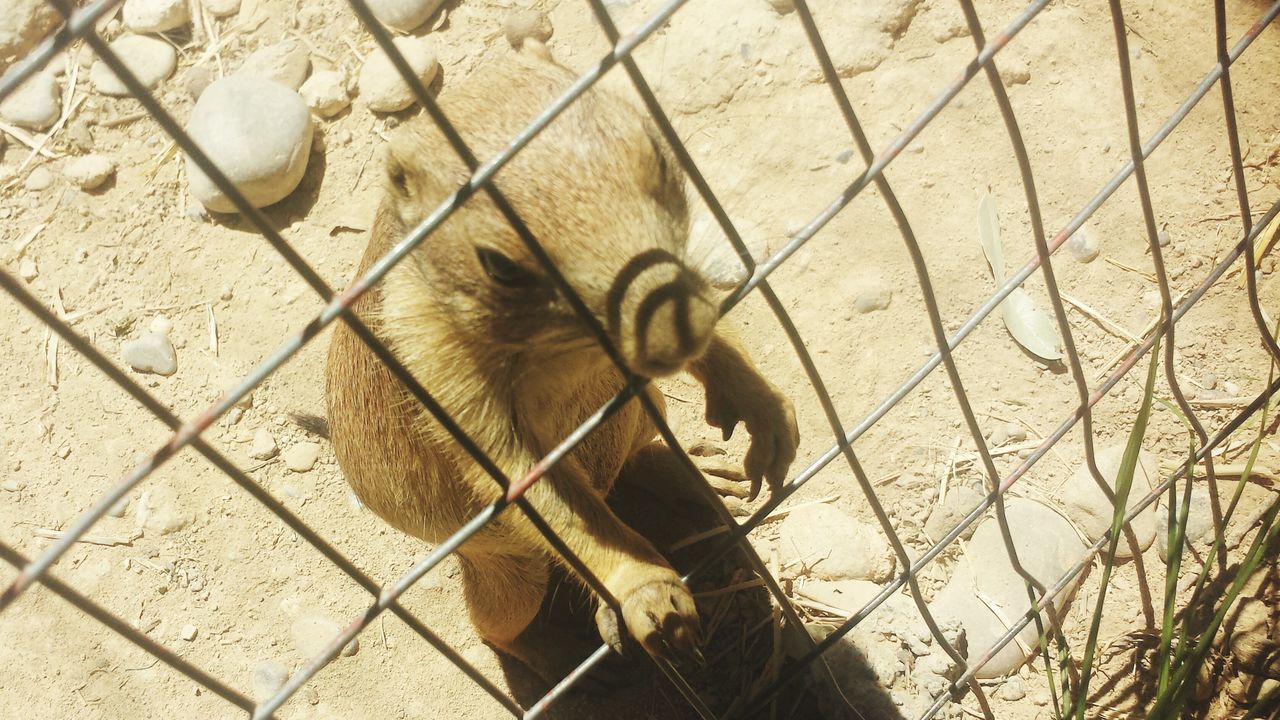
(503, 270)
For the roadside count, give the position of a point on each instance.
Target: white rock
(834, 546)
(221, 8)
(155, 16)
(1047, 547)
(150, 353)
(267, 678)
(258, 133)
(311, 633)
(27, 269)
(301, 457)
(1083, 245)
(23, 23)
(161, 325)
(158, 510)
(874, 295)
(38, 179)
(284, 62)
(188, 632)
(404, 15)
(90, 171)
(264, 445)
(1089, 508)
(35, 105)
(1012, 689)
(381, 86)
(149, 59)
(326, 93)
(523, 25)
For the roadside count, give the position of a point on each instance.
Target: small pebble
(267, 679)
(188, 632)
(1209, 381)
(120, 508)
(38, 179)
(150, 353)
(221, 8)
(155, 16)
(149, 59)
(264, 445)
(311, 633)
(35, 105)
(381, 86)
(404, 15)
(301, 457)
(27, 269)
(998, 437)
(782, 6)
(1083, 245)
(1015, 432)
(161, 325)
(1230, 388)
(326, 93)
(12, 485)
(523, 25)
(259, 134)
(702, 448)
(195, 80)
(90, 171)
(1012, 689)
(875, 297)
(284, 62)
(351, 648)
(1163, 238)
(1014, 72)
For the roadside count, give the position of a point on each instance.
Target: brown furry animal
(479, 324)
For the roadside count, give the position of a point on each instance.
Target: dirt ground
(745, 93)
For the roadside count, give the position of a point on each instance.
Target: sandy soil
(745, 93)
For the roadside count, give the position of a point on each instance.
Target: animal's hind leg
(504, 594)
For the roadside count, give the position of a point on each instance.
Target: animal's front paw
(660, 614)
(771, 420)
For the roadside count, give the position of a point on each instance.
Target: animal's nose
(666, 320)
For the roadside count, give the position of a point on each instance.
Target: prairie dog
(475, 318)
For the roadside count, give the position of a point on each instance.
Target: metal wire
(80, 25)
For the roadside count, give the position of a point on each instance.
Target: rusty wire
(80, 25)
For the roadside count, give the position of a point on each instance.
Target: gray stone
(35, 105)
(283, 62)
(381, 86)
(326, 93)
(150, 353)
(196, 80)
(960, 501)
(1047, 547)
(267, 678)
(90, 171)
(832, 545)
(264, 445)
(1012, 689)
(1083, 245)
(1089, 508)
(23, 23)
(524, 25)
(301, 457)
(404, 15)
(155, 16)
(1163, 238)
(149, 59)
(258, 132)
(1199, 520)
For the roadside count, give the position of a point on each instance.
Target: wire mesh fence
(80, 23)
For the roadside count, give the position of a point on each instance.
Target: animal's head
(599, 191)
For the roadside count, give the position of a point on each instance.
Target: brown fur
(518, 370)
